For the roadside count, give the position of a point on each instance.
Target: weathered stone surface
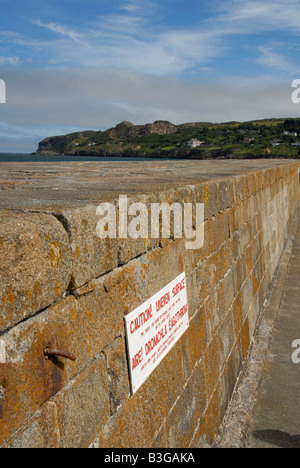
(83, 406)
(151, 403)
(183, 420)
(35, 264)
(92, 256)
(194, 341)
(84, 327)
(71, 418)
(117, 368)
(28, 378)
(39, 432)
(248, 210)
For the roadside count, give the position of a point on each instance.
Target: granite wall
(63, 287)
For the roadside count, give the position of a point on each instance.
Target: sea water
(20, 157)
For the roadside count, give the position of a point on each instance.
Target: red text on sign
(178, 316)
(163, 301)
(178, 287)
(137, 359)
(141, 319)
(155, 340)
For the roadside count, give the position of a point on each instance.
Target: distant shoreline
(29, 157)
(272, 138)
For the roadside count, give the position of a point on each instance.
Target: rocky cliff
(57, 144)
(127, 130)
(69, 144)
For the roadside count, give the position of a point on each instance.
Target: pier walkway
(276, 422)
(265, 410)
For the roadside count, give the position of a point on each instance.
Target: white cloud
(13, 61)
(100, 99)
(257, 15)
(133, 37)
(129, 41)
(141, 7)
(273, 59)
(62, 30)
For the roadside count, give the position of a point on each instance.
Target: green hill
(275, 138)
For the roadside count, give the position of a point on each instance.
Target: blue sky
(71, 65)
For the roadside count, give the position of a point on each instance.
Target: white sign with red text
(153, 329)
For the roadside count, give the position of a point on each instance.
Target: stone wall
(61, 286)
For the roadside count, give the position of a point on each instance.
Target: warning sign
(153, 329)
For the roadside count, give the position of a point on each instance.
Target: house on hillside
(194, 143)
(248, 140)
(274, 143)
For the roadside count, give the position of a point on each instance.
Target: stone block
(92, 256)
(194, 341)
(237, 315)
(229, 376)
(221, 228)
(117, 370)
(241, 187)
(226, 194)
(221, 301)
(210, 422)
(182, 421)
(206, 278)
(228, 290)
(130, 248)
(28, 378)
(211, 199)
(83, 406)
(160, 439)
(244, 237)
(245, 338)
(211, 365)
(250, 184)
(240, 214)
(247, 296)
(220, 263)
(160, 266)
(253, 315)
(35, 267)
(226, 339)
(83, 327)
(212, 313)
(151, 403)
(259, 180)
(209, 238)
(41, 431)
(192, 293)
